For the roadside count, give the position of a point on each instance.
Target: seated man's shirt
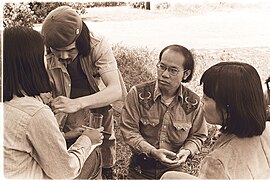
(147, 122)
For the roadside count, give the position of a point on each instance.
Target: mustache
(65, 61)
(68, 59)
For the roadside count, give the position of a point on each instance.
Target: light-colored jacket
(34, 147)
(238, 158)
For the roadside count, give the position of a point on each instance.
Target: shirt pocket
(148, 126)
(178, 132)
(150, 121)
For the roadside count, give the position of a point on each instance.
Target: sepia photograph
(132, 89)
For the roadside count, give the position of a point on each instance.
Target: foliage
(163, 5)
(140, 4)
(42, 9)
(18, 14)
(105, 4)
(136, 64)
(27, 14)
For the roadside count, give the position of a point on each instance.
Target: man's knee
(176, 175)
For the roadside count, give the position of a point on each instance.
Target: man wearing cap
(84, 76)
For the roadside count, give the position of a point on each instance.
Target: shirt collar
(55, 63)
(223, 139)
(157, 91)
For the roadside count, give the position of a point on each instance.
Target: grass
(138, 65)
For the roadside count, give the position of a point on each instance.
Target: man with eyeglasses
(162, 120)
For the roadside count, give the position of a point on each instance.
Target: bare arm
(112, 92)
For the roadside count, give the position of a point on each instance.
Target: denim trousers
(144, 167)
(92, 166)
(108, 147)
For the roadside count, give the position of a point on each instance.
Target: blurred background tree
(28, 14)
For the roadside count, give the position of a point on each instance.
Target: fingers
(101, 137)
(65, 104)
(168, 157)
(182, 159)
(175, 163)
(55, 100)
(55, 111)
(169, 153)
(183, 153)
(56, 105)
(100, 129)
(169, 161)
(81, 129)
(58, 102)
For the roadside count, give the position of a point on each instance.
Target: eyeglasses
(173, 71)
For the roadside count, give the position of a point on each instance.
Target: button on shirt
(161, 126)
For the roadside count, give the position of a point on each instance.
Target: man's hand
(46, 97)
(95, 135)
(164, 156)
(182, 155)
(65, 104)
(74, 133)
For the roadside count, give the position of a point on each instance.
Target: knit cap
(61, 27)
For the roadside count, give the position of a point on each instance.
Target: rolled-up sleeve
(198, 132)
(49, 147)
(103, 55)
(129, 124)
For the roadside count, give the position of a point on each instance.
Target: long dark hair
(267, 98)
(236, 87)
(83, 41)
(267, 83)
(24, 70)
